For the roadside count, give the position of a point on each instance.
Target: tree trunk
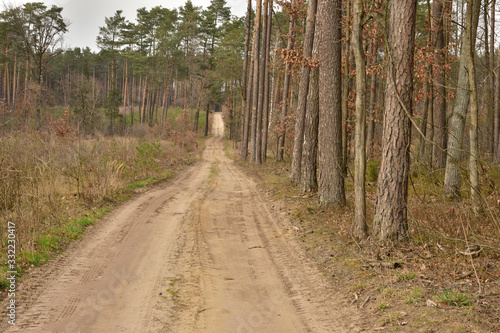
(198, 105)
(286, 89)
(125, 86)
(345, 86)
(439, 78)
(141, 98)
(370, 134)
(262, 80)
(360, 229)
(390, 218)
(206, 119)
(330, 162)
(308, 179)
(303, 91)
(452, 178)
(489, 86)
(15, 84)
(497, 112)
(267, 101)
(244, 77)
(474, 113)
(256, 82)
(132, 86)
(248, 110)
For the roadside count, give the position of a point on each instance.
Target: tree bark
(308, 180)
(437, 24)
(370, 134)
(474, 113)
(256, 81)
(390, 218)
(262, 79)
(244, 77)
(207, 114)
(303, 91)
(267, 101)
(497, 113)
(248, 108)
(360, 229)
(286, 89)
(345, 87)
(452, 178)
(330, 162)
(125, 86)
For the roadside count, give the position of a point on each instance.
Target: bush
(372, 168)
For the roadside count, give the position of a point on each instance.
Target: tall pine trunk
(360, 229)
(267, 79)
(309, 179)
(345, 86)
(390, 218)
(437, 24)
(262, 79)
(330, 161)
(303, 91)
(474, 112)
(244, 76)
(256, 82)
(286, 87)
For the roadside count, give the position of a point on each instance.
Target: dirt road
(206, 253)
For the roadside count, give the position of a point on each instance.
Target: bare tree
(390, 218)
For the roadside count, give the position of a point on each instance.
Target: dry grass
(48, 182)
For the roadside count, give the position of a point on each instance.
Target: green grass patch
(73, 230)
(414, 296)
(408, 276)
(36, 258)
(382, 306)
(454, 298)
(151, 180)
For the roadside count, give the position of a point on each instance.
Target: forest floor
(427, 283)
(207, 252)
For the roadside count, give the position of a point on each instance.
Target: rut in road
(207, 253)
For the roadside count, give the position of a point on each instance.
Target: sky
(86, 16)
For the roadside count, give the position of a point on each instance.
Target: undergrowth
(53, 188)
(433, 267)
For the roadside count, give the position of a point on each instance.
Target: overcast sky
(86, 16)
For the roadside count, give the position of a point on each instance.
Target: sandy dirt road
(206, 253)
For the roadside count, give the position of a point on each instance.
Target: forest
(388, 111)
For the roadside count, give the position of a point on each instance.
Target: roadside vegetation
(429, 283)
(56, 184)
